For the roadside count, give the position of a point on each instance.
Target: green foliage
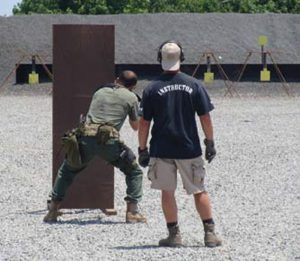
(155, 6)
(37, 6)
(137, 6)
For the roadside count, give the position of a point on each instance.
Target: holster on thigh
(70, 146)
(127, 155)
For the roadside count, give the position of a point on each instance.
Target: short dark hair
(128, 78)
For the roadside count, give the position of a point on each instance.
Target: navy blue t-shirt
(171, 101)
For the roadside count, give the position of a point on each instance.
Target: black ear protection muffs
(159, 56)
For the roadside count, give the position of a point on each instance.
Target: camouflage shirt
(113, 105)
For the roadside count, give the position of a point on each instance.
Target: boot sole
(211, 245)
(50, 221)
(135, 221)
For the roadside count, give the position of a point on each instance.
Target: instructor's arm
(207, 127)
(143, 133)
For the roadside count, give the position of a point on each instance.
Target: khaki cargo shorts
(163, 174)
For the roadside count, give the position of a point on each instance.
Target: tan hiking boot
(53, 212)
(210, 238)
(174, 238)
(133, 215)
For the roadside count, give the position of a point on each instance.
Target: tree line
(94, 7)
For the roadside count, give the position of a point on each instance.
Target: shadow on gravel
(88, 222)
(136, 247)
(153, 247)
(75, 221)
(35, 212)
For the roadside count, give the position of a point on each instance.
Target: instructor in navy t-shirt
(172, 101)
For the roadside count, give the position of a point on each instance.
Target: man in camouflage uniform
(99, 136)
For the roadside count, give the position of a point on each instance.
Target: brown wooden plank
(83, 59)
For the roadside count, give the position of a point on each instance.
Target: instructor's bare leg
(203, 207)
(170, 210)
(169, 206)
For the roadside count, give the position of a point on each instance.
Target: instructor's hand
(210, 151)
(144, 157)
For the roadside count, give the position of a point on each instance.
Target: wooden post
(83, 59)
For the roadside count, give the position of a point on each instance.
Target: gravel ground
(253, 183)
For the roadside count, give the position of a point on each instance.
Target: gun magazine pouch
(106, 132)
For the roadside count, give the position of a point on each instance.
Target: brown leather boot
(174, 238)
(210, 238)
(133, 215)
(53, 212)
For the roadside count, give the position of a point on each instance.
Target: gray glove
(210, 151)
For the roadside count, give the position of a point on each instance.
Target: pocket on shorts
(198, 172)
(152, 170)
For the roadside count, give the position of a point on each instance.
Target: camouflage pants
(110, 152)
